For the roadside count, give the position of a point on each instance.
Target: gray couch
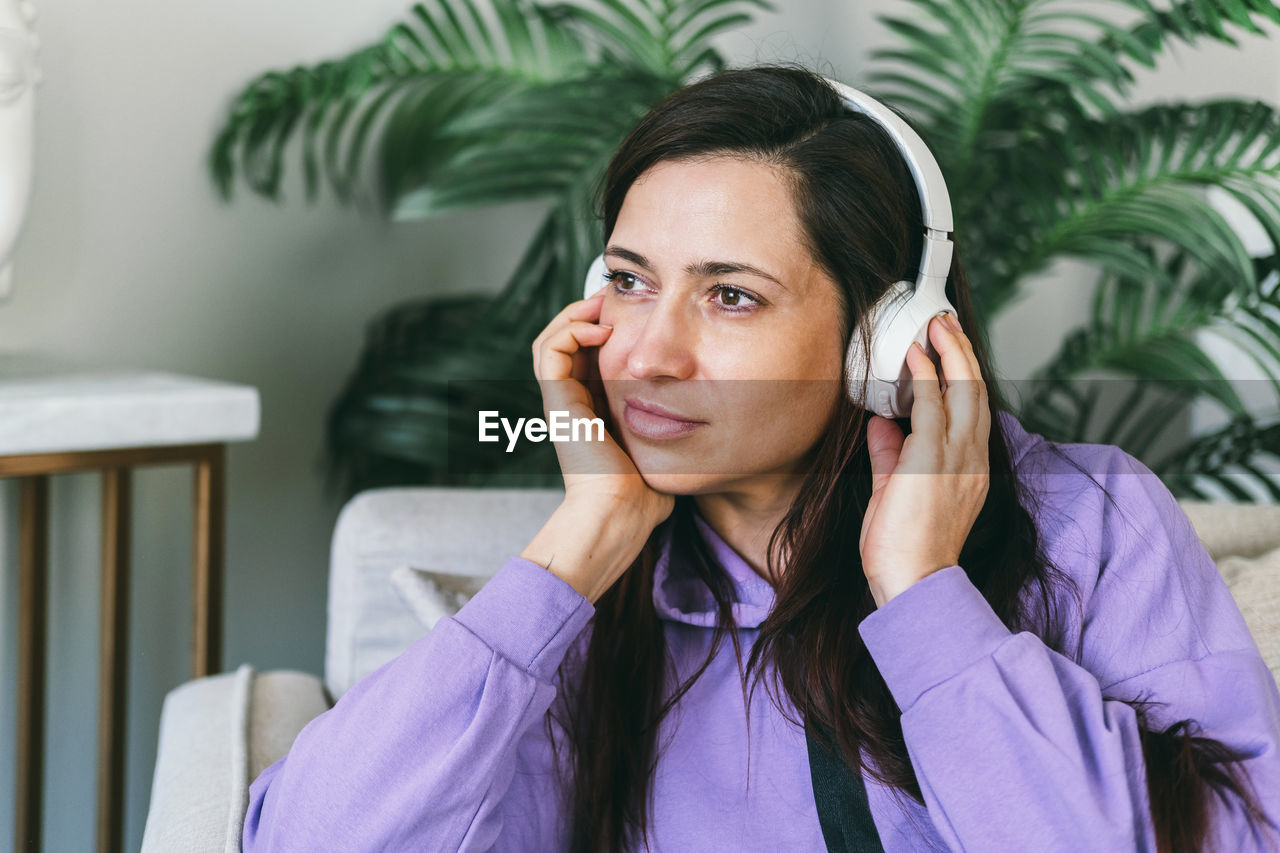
(218, 733)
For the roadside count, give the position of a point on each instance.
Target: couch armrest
(460, 531)
(217, 734)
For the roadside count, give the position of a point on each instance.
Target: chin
(680, 484)
(675, 469)
(675, 474)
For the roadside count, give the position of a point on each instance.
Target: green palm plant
(1020, 101)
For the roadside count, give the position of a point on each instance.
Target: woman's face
(753, 356)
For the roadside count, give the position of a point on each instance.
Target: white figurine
(19, 75)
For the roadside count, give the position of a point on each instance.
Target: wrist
(587, 545)
(884, 590)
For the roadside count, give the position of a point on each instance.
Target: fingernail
(605, 325)
(953, 322)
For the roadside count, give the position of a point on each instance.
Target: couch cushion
(453, 531)
(1234, 529)
(1255, 584)
(432, 595)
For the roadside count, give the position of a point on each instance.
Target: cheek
(784, 415)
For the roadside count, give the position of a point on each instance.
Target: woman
(1028, 650)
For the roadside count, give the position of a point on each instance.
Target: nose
(665, 342)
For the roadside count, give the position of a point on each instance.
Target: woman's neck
(746, 519)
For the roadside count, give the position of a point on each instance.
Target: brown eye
(617, 276)
(734, 300)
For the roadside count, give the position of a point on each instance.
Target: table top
(52, 405)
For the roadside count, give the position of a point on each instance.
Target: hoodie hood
(680, 596)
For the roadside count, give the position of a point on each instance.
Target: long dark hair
(861, 217)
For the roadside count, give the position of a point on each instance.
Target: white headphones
(902, 315)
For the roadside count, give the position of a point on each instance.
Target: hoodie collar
(680, 596)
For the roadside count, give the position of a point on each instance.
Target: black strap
(841, 797)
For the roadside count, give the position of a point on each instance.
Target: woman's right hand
(609, 510)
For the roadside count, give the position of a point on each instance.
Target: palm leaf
(1000, 89)
(1147, 332)
(526, 45)
(1136, 176)
(962, 59)
(1190, 20)
(547, 140)
(1226, 459)
(445, 61)
(673, 39)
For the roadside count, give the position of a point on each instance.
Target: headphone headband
(935, 201)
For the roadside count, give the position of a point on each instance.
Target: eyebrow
(702, 269)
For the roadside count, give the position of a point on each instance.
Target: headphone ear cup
(595, 277)
(879, 393)
(900, 318)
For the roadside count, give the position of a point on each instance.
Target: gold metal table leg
(113, 656)
(33, 569)
(33, 471)
(206, 580)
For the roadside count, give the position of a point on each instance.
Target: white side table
(58, 417)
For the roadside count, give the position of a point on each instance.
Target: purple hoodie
(1016, 747)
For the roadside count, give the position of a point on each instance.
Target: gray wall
(129, 259)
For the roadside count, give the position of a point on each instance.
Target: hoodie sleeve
(444, 747)
(1018, 747)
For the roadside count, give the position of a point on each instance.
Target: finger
(582, 364)
(966, 347)
(984, 404)
(928, 416)
(976, 434)
(583, 309)
(562, 352)
(963, 398)
(595, 387)
(884, 445)
(586, 365)
(556, 361)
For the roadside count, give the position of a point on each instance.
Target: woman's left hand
(927, 489)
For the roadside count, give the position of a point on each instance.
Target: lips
(660, 411)
(649, 420)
